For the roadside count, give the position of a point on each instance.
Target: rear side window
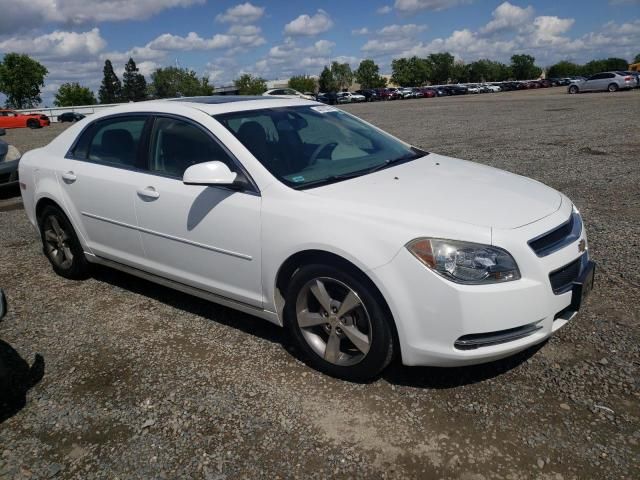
(116, 141)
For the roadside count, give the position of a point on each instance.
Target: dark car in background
(456, 89)
(70, 117)
(9, 159)
(330, 98)
(369, 94)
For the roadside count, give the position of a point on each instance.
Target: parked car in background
(428, 92)
(12, 119)
(356, 97)
(343, 97)
(604, 81)
(472, 88)
(456, 89)
(330, 98)
(369, 94)
(388, 94)
(9, 160)
(70, 117)
(287, 93)
(634, 74)
(491, 88)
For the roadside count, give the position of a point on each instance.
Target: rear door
(99, 183)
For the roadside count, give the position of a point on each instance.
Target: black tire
(77, 268)
(573, 89)
(381, 343)
(613, 87)
(33, 124)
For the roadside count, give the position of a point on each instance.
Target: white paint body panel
(233, 244)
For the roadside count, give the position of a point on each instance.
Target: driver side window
(177, 144)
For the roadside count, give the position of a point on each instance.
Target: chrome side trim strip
(170, 237)
(196, 292)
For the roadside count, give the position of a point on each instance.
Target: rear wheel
(61, 245)
(339, 322)
(573, 89)
(33, 124)
(613, 87)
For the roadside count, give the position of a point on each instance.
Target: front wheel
(61, 245)
(33, 124)
(613, 87)
(573, 89)
(338, 320)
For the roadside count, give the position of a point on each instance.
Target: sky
(276, 39)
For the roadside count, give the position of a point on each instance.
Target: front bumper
(441, 323)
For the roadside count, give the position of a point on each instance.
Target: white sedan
(364, 247)
(286, 93)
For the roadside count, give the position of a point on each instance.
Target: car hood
(450, 189)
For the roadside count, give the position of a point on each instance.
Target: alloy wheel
(334, 321)
(56, 242)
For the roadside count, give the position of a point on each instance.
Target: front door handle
(69, 177)
(148, 193)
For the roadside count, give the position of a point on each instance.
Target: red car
(11, 119)
(428, 92)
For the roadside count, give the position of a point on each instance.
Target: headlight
(463, 262)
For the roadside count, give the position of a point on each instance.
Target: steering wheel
(318, 151)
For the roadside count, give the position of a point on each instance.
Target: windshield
(309, 146)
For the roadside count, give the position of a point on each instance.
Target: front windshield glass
(309, 146)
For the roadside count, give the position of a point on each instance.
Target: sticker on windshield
(298, 179)
(324, 109)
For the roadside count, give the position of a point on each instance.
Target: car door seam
(170, 237)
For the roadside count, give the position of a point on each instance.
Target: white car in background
(364, 247)
(472, 88)
(286, 93)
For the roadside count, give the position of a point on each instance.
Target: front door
(206, 237)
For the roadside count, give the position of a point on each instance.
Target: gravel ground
(127, 379)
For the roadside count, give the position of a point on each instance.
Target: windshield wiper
(328, 180)
(387, 163)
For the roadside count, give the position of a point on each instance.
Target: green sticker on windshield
(298, 179)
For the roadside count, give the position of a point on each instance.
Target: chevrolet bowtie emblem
(582, 246)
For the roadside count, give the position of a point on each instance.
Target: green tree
(523, 67)
(488, 71)
(563, 69)
(326, 82)
(636, 59)
(302, 83)
(342, 75)
(604, 65)
(72, 94)
(134, 85)
(173, 82)
(441, 67)
(460, 72)
(410, 72)
(247, 84)
(21, 79)
(111, 88)
(368, 76)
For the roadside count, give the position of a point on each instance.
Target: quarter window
(114, 141)
(176, 145)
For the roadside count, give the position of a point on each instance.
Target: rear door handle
(69, 177)
(149, 193)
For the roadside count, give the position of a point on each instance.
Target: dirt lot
(131, 380)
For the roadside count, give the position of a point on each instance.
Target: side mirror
(209, 173)
(3, 304)
(2, 132)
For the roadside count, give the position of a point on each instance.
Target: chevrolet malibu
(364, 247)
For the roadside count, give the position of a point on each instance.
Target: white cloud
(309, 25)
(238, 36)
(417, 5)
(407, 30)
(508, 17)
(360, 31)
(25, 14)
(387, 46)
(241, 13)
(58, 44)
(384, 10)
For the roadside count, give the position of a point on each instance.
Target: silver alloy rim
(56, 242)
(334, 321)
